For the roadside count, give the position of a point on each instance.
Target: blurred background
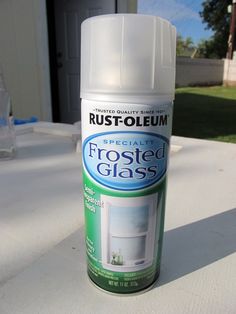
(40, 59)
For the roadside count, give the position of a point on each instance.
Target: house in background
(40, 53)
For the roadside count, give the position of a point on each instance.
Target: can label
(125, 157)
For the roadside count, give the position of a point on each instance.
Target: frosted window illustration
(128, 219)
(129, 248)
(128, 232)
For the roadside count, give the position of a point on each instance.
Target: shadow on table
(193, 246)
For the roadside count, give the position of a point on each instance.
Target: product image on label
(128, 232)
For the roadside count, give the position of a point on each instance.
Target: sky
(184, 14)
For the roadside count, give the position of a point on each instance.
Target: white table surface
(42, 252)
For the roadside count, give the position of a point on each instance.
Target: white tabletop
(41, 204)
(40, 198)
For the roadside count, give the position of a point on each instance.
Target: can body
(125, 160)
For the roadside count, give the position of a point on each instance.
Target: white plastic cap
(127, 57)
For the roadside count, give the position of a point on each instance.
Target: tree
(207, 49)
(217, 18)
(184, 45)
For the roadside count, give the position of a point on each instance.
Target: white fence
(230, 73)
(195, 72)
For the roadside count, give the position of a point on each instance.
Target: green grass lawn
(206, 112)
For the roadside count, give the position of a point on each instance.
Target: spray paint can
(127, 91)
